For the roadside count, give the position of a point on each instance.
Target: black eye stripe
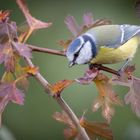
(77, 53)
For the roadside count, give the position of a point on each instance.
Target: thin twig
(46, 50)
(60, 101)
(104, 68)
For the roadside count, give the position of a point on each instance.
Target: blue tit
(106, 44)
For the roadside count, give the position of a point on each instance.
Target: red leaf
(58, 87)
(15, 95)
(9, 92)
(8, 57)
(88, 23)
(34, 23)
(22, 49)
(88, 77)
(8, 31)
(133, 96)
(72, 25)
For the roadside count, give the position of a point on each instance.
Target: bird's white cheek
(85, 54)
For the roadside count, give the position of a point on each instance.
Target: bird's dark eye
(76, 54)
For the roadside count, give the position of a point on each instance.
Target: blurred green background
(34, 121)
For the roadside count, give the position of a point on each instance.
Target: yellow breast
(108, 55)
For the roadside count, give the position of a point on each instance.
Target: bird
(105, 44)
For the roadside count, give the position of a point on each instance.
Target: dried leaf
(22, 49)
(63, 117)
(8, 31)
(15, 95)
(133, 95)
(58, 87)
(9, 92)
(88, 23)
(97, 129)
(88, 20)
(72, 25)
(8, 58)
(4, 15)
(31, 70)
(107, 97)
(88, 77)
(70, 132)
(34, 23)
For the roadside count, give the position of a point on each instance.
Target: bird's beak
(71, 63)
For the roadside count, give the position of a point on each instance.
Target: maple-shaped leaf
(8, 31)
(32, 22)
(133, 95)
(71, 132)
(88, 22)
(96, 129)
(15, 95)
(63, 117)
(72, 25)
(107, 97)
(22, 49)
(88, 77)
(9, 92)
(58, 87)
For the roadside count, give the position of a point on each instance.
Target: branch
(104, 68)
(46, 50)
(60, 101)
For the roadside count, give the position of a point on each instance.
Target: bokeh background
(34, 121)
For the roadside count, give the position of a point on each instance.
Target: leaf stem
(28, 35)
(46, 50)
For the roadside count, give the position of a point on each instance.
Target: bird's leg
(101, 67)
(124, 65)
